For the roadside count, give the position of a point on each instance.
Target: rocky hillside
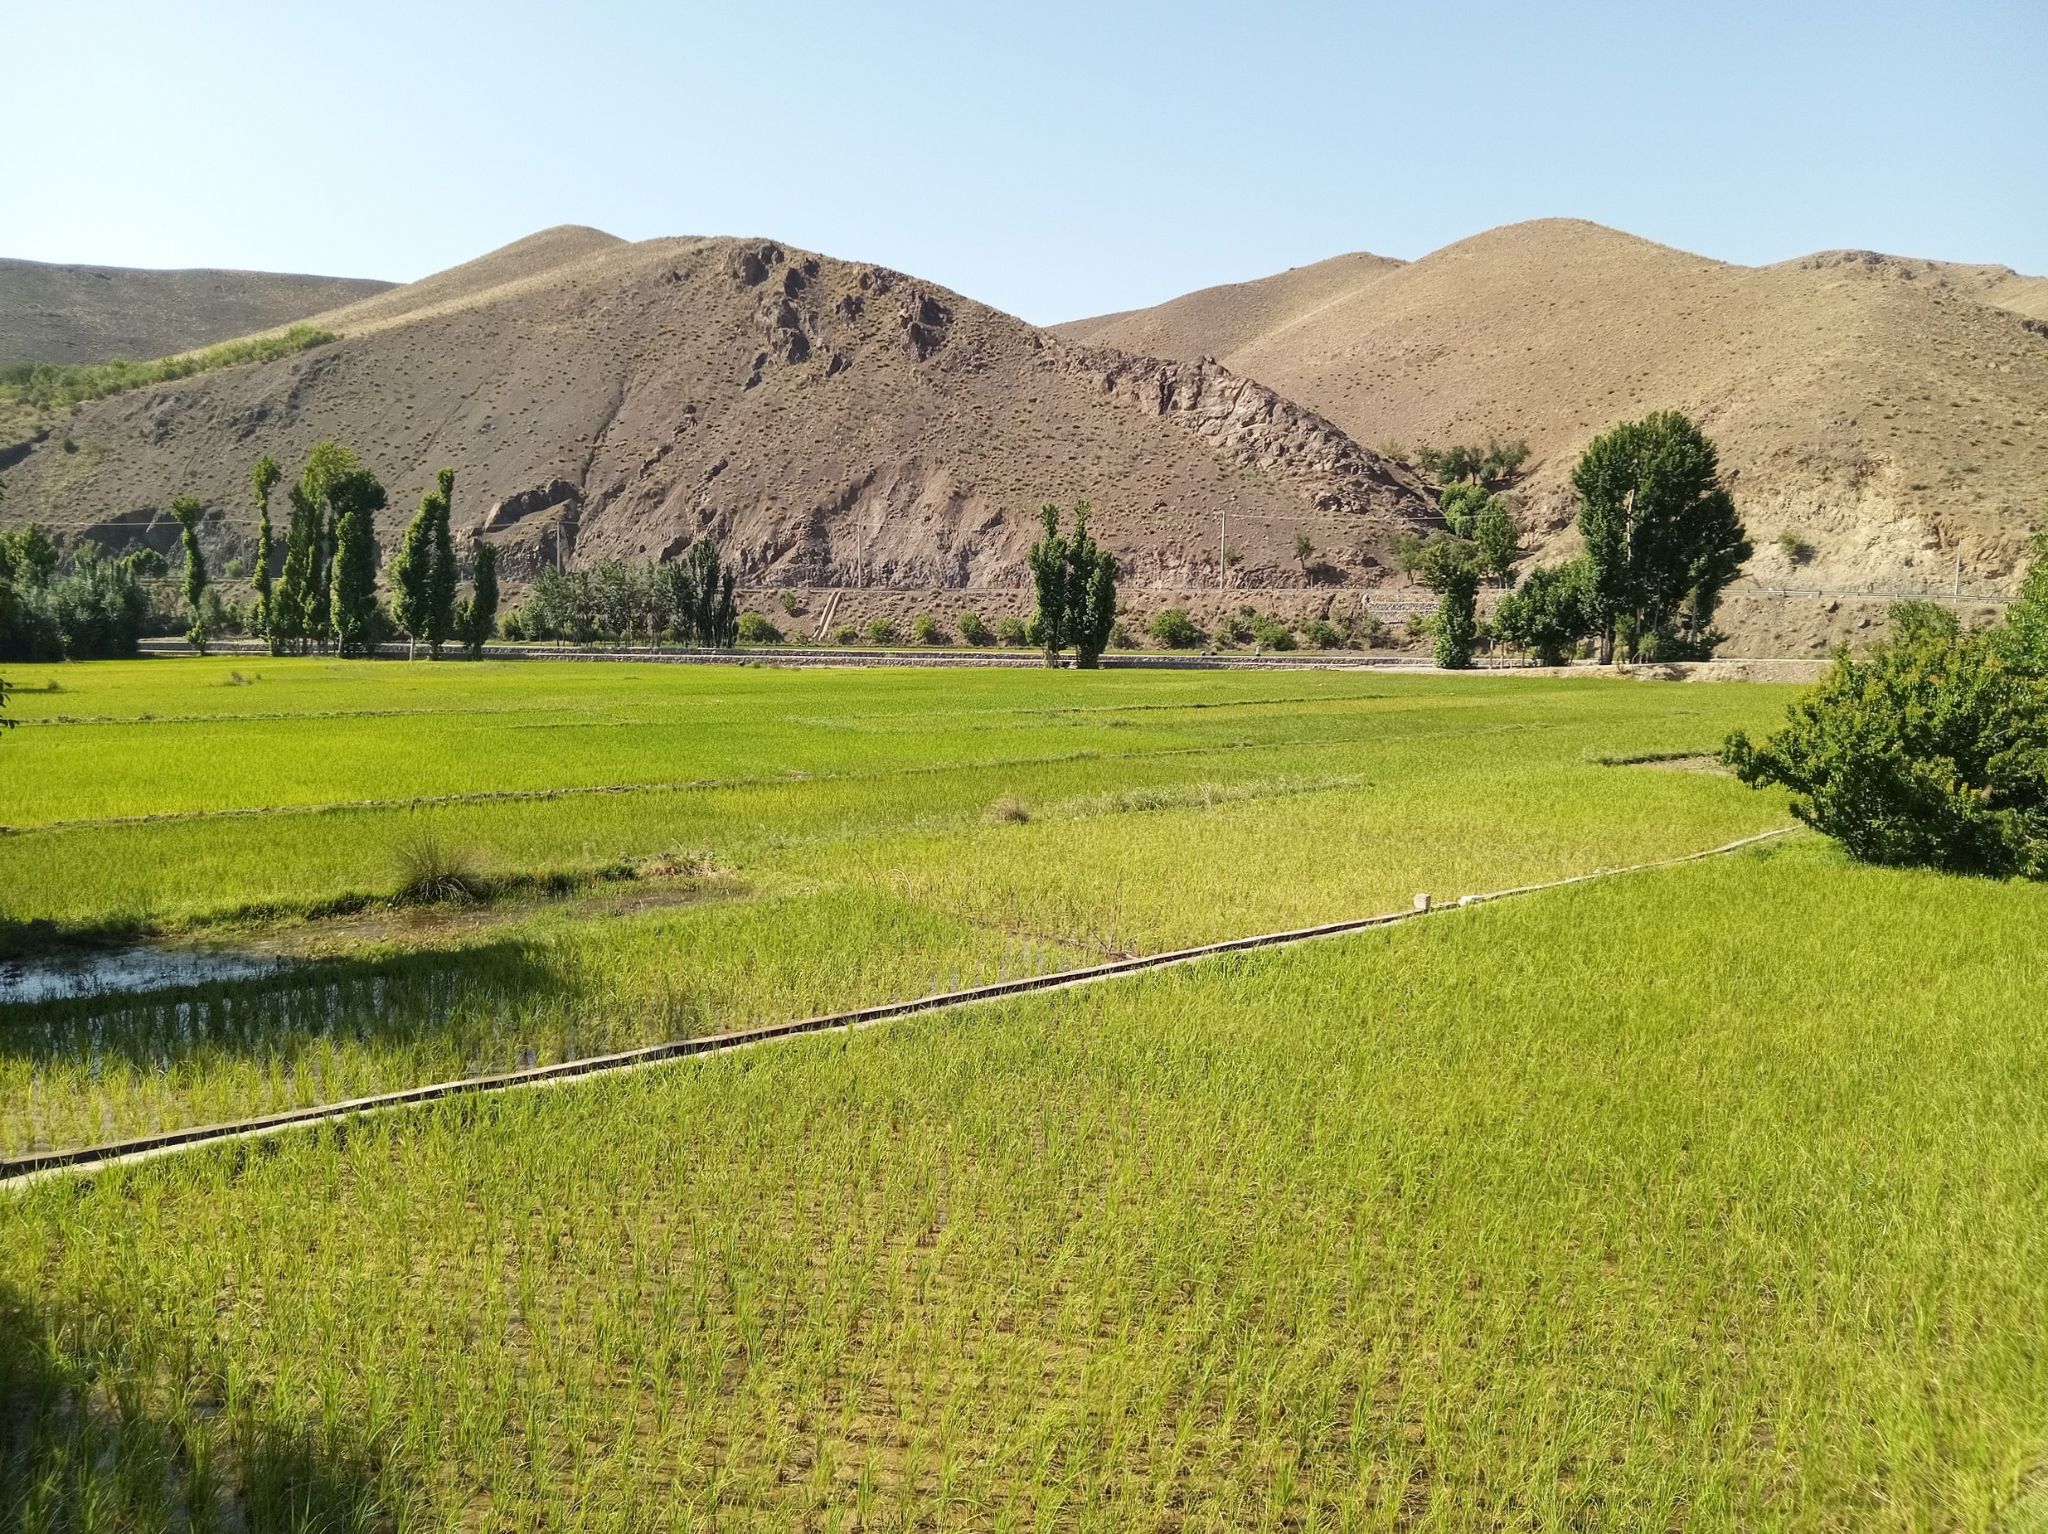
(1886, 411)
(828, 422)
(95, 313)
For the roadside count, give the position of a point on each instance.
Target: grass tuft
(432, 872)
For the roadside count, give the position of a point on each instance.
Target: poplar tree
(186, 509)
(292, 605)
(440, 587)
(1048, 561)
(354, 498)
(412, 573)
(326, 466)
(1075, 585)
(477, 618)
(264, 479)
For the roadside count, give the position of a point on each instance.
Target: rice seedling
(1002, 818)
(1702, 1199)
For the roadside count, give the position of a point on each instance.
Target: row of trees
(687, 601)
(1662, 541)
(325, 593)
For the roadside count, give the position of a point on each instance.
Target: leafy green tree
(1463, 463)
(263, 479)
(2025, 636)
(1407, 549)
(1498, 541)
(1049, 576)
(477, 617)
(293, 606)
(440, 588)
(327, 465)
(1075, 584)
(412, 572)
(1450, 568)
(186, 510)
(1461, 504)
(1546, 615)
(1304, 551)
(1502, 460)
(1931, 751)
(355, 497)
(1661, 533)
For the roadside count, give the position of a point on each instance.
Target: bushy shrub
(1795, 547)
(1271, 633)
(1321, 634)
(925, 629)
(1014, 632)
(1173, 628)
(974, 631)
(881, 631)
(755, 629)
(1120, 637)
(1932, 751)
(1235, 628)
(846, 633)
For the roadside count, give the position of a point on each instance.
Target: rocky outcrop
(527, 503)
(1249, 424)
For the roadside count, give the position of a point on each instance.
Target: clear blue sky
(1054, 159)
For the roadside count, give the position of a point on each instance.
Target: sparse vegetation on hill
(54, 386)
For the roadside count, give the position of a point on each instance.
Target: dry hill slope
(1890, 411)
(1218, 321)
(94, 313)
(826, 421)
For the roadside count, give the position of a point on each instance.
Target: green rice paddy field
(1706, 1198)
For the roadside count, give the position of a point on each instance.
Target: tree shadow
(106, 1421)
(304, 1034)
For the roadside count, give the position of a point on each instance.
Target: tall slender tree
(477, 618)
(328, 464)
(292, 604)
(1049, 575)
(440, 613)
(263, 478)
(355, 498)
(412, 571)
(187, 509)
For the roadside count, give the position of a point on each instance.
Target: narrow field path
(21, 1170)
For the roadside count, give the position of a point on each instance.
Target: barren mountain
(826, 421)
(94, 313)
(1888, 411)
